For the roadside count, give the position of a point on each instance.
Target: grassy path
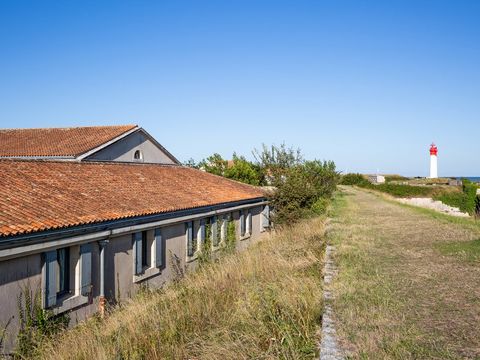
(409, 280)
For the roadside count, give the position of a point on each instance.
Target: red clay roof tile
(59, 142)
(46, 195)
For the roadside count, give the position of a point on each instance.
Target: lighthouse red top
(433, 149)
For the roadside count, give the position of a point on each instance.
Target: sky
(367, 84)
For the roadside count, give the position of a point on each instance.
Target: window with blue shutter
(265, 223)
(215, 234)
(242, 223)
(86, 269)
(137, 253)
(50, 259)
(189, 235)
(249, 222)
(204, 232)
(159, 249)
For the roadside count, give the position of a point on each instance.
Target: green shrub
(303, 191)
(405, 191)
(456, 199)
(470, 191)
(36, 324)
(389, 178)
(355, 179)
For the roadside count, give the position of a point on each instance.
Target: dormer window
(138, 155)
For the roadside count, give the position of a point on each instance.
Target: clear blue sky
(368, 84)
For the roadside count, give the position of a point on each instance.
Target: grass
(262, 303)
(468, 251)
(409, 280)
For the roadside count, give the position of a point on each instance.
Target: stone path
(329, 348)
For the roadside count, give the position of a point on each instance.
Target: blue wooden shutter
(86, 267)
(158, 248)
(190, 238)
(249, 222)
(137, 253)
(242, 223)
(265, 217)
(214, 231)
(203, 233)
(50, 278)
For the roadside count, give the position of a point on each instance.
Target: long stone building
(82, 225)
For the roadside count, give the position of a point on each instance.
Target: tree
(243, 170)
(275, 161)
(191, 163)
(214, 164)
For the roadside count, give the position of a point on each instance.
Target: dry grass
(263, 303)
(398, 295)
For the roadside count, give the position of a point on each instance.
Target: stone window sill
(245, 237)
(148, 273)
(69, 302)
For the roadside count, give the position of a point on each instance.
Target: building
(376, 179)
(83, 233)
(125, 143)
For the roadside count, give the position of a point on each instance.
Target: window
(148, 253)
(145, 250)
(216, 234)
(63, 271)
(242, 223)
(66, 276)
(191, 238)
(265, 218)
(138, 155)
(145, 257)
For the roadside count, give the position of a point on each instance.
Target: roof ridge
(89, 162)
(70, 127)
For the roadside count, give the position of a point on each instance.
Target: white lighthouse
(433, 162)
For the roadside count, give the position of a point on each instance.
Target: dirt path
(407, 285)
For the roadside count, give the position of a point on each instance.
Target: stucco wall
(124, 149)
(17, 273)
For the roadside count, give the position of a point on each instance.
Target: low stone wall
(434, 205)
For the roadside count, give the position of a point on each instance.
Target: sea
(471, 178)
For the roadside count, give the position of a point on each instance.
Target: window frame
(63, 285)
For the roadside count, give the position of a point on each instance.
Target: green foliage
(36, 323)
(243, 171)
(303, 190)
(456, 199)
(389, 178)
(231, 238)
(467, 200)
(471, 200)
(275, 161)
(191, 163)
(405, 191)
(355, 179)
(205, 255)
(214, 164)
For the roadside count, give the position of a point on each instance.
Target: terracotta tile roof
(60, 142)
(45, 195)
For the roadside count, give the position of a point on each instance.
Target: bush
(405, 191)
(389, 178)
(303, 191)
(355, 179)
(467, 200)
(470, 201)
